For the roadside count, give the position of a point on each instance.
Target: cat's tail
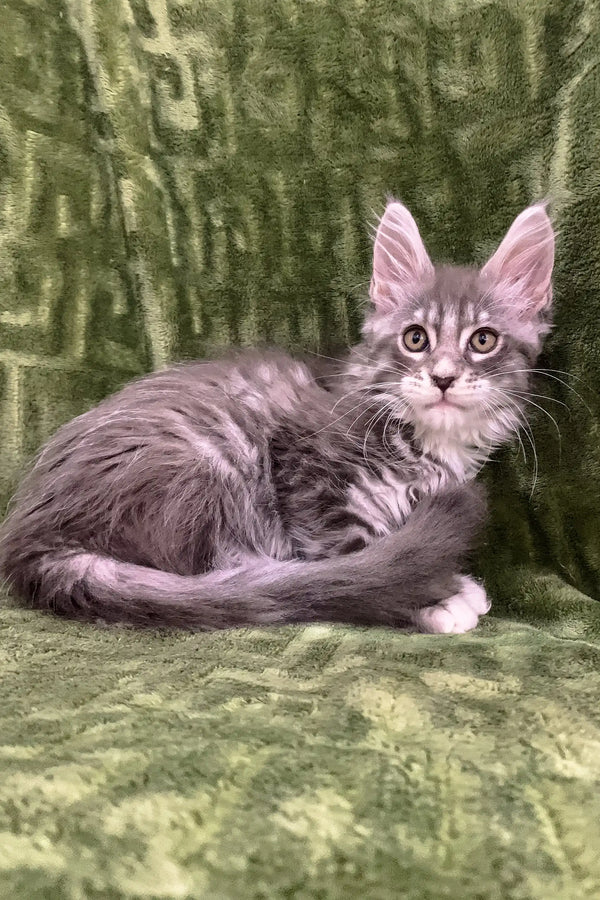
(383, 584)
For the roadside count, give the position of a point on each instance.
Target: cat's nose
(443, 382)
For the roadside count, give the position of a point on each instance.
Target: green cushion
(180, 175)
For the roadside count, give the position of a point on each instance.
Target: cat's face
(457, 344)
(463, 358)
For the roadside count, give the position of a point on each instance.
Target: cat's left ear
(521, 267)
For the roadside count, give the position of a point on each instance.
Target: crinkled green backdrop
(179, 175)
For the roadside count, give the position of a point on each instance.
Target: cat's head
(458, 343)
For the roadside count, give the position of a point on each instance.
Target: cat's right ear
(400, 260)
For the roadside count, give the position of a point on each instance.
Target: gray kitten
(253, 491)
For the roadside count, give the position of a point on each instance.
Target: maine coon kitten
(250, 491)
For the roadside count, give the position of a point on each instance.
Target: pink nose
(443, 383)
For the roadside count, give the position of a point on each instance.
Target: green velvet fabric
(180, 175)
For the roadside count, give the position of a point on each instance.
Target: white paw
(457, 614)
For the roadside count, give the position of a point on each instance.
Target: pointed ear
(400, 260)
(522, 265)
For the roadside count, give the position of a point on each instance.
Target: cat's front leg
(459, 613)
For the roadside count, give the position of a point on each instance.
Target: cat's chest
(385, 498)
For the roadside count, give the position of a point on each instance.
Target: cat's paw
(459, 613)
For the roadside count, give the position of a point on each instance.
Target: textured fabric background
(180, 175)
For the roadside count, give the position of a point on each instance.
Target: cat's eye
(483, 340)
(415, 339)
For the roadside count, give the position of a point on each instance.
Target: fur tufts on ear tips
(400, 260)
(521, 267)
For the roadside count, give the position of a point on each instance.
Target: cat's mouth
(444, 403)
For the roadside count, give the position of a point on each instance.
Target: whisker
(344, 414)
(537, 406)
(365, 411)
(370, 426)
(547, 373)
(497, 410)
(369, 387)
(387, 408)
(529, 435)
(540, 396)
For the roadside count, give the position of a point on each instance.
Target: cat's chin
(444, 417)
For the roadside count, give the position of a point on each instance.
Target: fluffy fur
(253, 490)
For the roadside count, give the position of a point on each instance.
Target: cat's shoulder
(265, 382)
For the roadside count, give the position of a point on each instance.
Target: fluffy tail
(383, 584)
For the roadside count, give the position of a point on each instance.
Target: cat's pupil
(482, 338)
(416, 337)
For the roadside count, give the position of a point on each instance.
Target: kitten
(251, 491)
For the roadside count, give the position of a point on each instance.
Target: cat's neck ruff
(463, 450)
(463, 460)
(462, 444)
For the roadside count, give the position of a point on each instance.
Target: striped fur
(252, 490)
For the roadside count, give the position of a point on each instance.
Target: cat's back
(251, 389)
(218, 409)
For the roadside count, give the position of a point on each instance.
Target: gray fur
(251, 490)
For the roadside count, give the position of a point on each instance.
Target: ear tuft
(400, 260)
(522, 265)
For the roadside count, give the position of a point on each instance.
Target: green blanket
(180, 175)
